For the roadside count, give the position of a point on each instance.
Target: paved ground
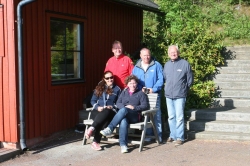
(67, 150)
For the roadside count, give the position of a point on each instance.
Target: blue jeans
(157, 119)
(124, 117)
(176, 117)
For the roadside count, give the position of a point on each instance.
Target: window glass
(66, 50)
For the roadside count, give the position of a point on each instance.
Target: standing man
(150, 75)
(120, 65)
(179, 77)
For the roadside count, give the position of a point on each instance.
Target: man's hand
(150, 90)
(109, 107)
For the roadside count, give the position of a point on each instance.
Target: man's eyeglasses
(107, 78)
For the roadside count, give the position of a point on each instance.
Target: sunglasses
(107, 78)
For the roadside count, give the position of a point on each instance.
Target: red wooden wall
(54, 108)
(8, 104)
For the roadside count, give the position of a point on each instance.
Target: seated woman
(103, 100)
(130, 103)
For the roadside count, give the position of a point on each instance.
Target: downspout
(20, 73)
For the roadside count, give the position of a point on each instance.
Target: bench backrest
(152, 98)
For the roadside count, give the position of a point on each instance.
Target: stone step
(232, 85)
(232, 70)
(234, 93)
(235, 62)
(219, 126)
(231, 102)
(220, 113)
(208, 135)
(232, 77)
(239, 48)
(242, 56)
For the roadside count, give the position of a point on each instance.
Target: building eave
(143, 4)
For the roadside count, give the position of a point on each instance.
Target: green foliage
(232, 19)
(58, 57)
(184, 24)
(201, 95)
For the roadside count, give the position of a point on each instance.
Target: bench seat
(147, 123)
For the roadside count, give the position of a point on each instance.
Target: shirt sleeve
(94, 101)
(190, 77)
(160, 79)
(130, 66)
(143, 103)
(119, 103)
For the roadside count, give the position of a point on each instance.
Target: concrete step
(219, 126)
(239, 48)
(220, 113)
(232, 70)
(234, 93)
(6, 154)
(242, 55)
(231, 102)
(208, 135)
(232, 77)
(232, 85)
(235, 62)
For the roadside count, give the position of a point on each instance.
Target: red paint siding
(8, 105)
(50, 108)
(1, 30)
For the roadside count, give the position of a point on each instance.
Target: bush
(184, 25)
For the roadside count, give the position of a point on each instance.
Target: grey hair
(145, 49)
(175, 46)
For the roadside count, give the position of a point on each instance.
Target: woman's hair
(99, 89)
(131, 77)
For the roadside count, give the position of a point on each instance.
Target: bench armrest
(149, 111)
(89, 109)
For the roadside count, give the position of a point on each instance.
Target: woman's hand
(100, 109)
(130, 107)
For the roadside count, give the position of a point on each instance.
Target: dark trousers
(101, 121)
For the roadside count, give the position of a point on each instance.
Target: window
(66, 50)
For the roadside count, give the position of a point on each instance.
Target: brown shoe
(170, 140)
(178, 142)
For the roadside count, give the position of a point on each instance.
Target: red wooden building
(63, 46)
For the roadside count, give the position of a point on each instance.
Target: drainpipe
(20, 72)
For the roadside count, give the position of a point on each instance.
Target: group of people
(120, 96)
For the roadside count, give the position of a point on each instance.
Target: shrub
(184, 25)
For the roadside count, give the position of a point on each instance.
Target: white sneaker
(124, 149)
(106, 132)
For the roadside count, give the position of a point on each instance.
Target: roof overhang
(143, 4)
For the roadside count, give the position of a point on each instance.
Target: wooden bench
(147, 123)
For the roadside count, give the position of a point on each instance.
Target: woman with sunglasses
(103, 100)
(131, 103)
